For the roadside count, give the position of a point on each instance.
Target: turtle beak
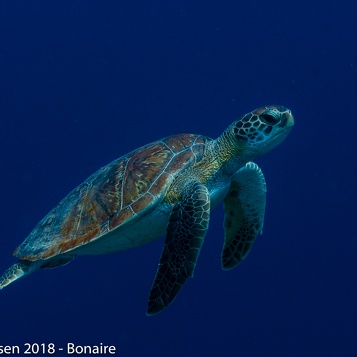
(287, 119)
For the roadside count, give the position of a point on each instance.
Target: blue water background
(84, 82)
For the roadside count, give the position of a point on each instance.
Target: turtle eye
(270, 118)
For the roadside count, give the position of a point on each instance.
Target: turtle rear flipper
(17, 271)
(56, 262)
(25, 267)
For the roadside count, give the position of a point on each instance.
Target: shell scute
(124, 215)
(143, 168)
(180, 160)
(179, 142)
(162, 181)
(142, 202)
(198, 150)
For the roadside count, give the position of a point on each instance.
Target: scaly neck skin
(231, 155)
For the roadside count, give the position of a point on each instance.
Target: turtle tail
(17, 271)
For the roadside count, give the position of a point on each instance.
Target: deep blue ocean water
(84, 82)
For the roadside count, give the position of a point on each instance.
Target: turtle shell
(118, 193)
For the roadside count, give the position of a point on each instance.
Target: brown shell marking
(115, 194)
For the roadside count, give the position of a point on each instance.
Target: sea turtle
(169, 186)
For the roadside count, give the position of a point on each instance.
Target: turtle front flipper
(244, 208)
(185, 233)
(17, 271)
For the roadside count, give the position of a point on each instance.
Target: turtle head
(261, 130)
(253, 135)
